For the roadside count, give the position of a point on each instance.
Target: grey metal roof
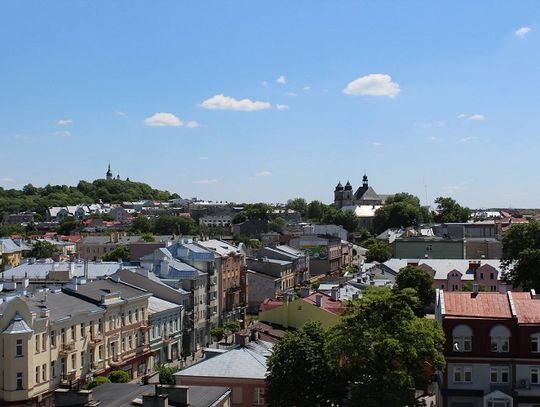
(39, 271)
(10, 246)
(246, 362)
(17, 326)
(61, 305)
(291, 250)
(158, 305)
(221, 248)
(95, 289)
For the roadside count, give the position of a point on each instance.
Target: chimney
(304, 292)
(318, 300)
(334, 293)
(475, 288)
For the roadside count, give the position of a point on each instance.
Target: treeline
(38, 199)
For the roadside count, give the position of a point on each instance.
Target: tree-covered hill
(109, 191)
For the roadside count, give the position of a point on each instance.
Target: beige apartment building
(64, 338)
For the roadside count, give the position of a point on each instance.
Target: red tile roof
(335, 307)
(481, 305)
(269, 304)
(527, 308)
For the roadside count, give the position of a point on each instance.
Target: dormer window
(500, 339)
(462, 338)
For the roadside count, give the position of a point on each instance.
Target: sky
(252, 101)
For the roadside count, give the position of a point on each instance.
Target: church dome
(339, 187)
(348, 186)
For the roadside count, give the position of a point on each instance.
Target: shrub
(166, 374)
(217, 333)
(119, 376)
(97, 382)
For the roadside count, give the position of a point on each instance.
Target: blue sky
(436, 97)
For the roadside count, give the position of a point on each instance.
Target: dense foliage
(421, 281)
(121, 252)
(31, 198)
(400, 211)
(378, 251)
(119, 376)
(42, 250)
(300, 373)
(98, 381)
(449, 210)
(377, 356)
(521, 255)
(166, 374)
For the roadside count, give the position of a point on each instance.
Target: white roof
(39, 271)
(157, 305)
(362, 211)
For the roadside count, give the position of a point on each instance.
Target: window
(37, 343)
(73, 361)
(535, 374)
(53, 338)
(53, 369)
(62, 336)
(100, 353)
(82, 330)
(429, 248)
(37, 374)
(535, 343)
(44, 372)
(129, 316)
(500, 339)
(19, 381)
(258, 396)
(44, 342)
(499, 374)
(462, 338)
(462, 374)
(83, 354)
(73, 332)
(19, 348)
(491, 276)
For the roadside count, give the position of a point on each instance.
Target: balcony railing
(67, 347)
(96, 338)
(116, 361)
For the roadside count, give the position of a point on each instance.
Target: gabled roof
(327, 304)
(368, 194)
(479, 305)
(241, 363)
(527, 307)
(17, 326)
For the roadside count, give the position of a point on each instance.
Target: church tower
(109, 173)
(338, 195)
(347, 195)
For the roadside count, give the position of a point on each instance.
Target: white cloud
(203, 158)
(293, 94)
(64, 122)
(162, 119)
(282, 107)
(307, 88)
(376, 143)
(430, 125)
(7, 179)
(375, 84)
(281, 80)
(206, 181)
(475, 117)
(120, 113)
(467, 139)
(264, 174)
(63, 133)
(222, 102)
(192, 124)
(522, 32)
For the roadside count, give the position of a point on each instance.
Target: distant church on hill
(109, 174)
(364, 195)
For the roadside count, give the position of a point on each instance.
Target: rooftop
(480, 305)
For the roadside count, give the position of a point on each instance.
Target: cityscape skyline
(241, 103)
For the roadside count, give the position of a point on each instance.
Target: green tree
(379, 251)
(400, 211)
(42, 250)
(166, 374)
(347, 219)
(315, 211)
(148, 237)
(468, 286)
(385, 350)
(67, 225)
(121, 252)
(449, 210)
(217, 333)
(299, 372)
(141, 224)
(168, 225)
(98, 381)
(277, 225)
(119, 376)
(298, 205)
(421, 281)
(521, 255)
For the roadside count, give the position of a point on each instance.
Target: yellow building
(293, 314)
(11, 253)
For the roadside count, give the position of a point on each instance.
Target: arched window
(462, 338)
(500, 338)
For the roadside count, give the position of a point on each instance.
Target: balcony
(116, 361)
(67, 348)
(234, 289)
(96, 338)
(98, 365)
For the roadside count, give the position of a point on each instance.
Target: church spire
(109, 172)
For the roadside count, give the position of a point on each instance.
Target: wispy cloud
(191, 124)
(523, 32)
(281, 80)
(376, 143)
(120, 113)
(292, 94)
(431, 124)
(282, 107)
(468, 139)
(7, 179)
(307, 88)
(206, 181)
(375, 84)
(264, 173)
(64, 122)
(63, 134)
(222, 102)
(162, 119)
(203, 157)
(474, 117)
